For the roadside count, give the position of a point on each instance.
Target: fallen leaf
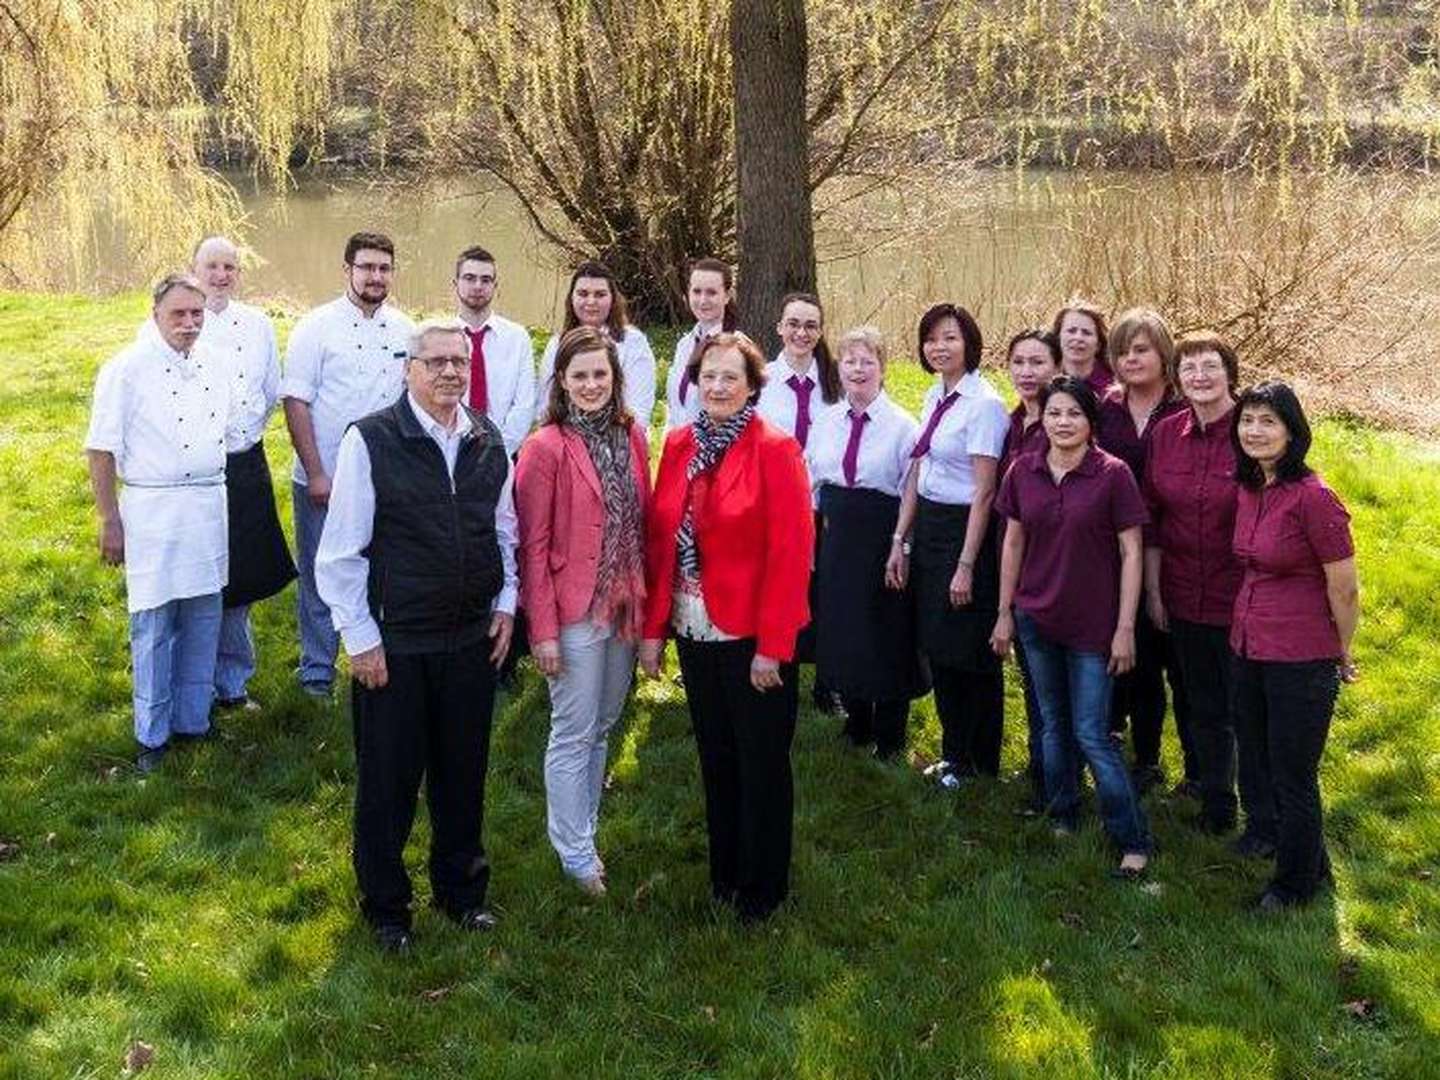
(8, 850)
(708, 1011)
(1046, 966)
(1072, 919)
(1152, 888)
(927, 1039)
(1425, 875)
(1360, 1008)
(138, 1057)
(643, 890)
(438, 994)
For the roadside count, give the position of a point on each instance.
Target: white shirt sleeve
(507, 535)
(989, 426)
(304, 361)
(521, 416)
(270, 386)
(107, 412)
(639, 363)
(342, 571)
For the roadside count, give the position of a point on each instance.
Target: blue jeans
(1073, 691)
(235, 661)
(319, 641)
(172, 654)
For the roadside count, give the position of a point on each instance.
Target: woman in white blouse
(710, 292)
(594, 299)
(947, 498)
(859, 456)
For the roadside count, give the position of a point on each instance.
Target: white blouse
(345, 366)
(884, 452)
(637, 361)
(779, 403)
(679, 413)
(976, 424)
(245, 335)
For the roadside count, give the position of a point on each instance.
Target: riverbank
(209, 910)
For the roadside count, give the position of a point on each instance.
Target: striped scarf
(620, 577)
(711, 442)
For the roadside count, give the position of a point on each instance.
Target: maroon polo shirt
(1101, 378)
(1190, 491)
(1070, 576)
(1115, 432)
(1284, 536)
(1020, 440)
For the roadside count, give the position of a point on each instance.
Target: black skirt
(805, 640)
(865, 639)
(955, 637)
(260, 563)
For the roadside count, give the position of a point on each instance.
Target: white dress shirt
(164, 417)
(245, 335)
(885, 444)
(976, 424)
(342, 571)
(779, 403)
(679, 413)
(509, 379)
(636, 361)
(344, 366)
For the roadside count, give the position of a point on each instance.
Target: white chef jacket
(678, 413)
(345, 366)
(778, 402)
(342, 571)
(885, 444)
(163, 415)
(636, 361)
(245, 335)
(509, 379)
(976, 424)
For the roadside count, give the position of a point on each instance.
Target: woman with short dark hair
(1294, 620)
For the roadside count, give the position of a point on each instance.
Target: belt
(199, 481)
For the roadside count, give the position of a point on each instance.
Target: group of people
(1136, 520)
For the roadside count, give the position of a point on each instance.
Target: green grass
(210, 909)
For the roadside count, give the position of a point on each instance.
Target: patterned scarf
(711, 442)
(620, 577)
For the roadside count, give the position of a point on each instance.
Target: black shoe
(1186, 789)
(150, 758)
(243, 703)
(475, 920)
(1145, 777)
(1211, 826)
(392, 938)
(193, 736)
(824, 701)
(1270, 902)
(1250, 846)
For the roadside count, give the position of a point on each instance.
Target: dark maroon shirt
(1116, 434)
(1190, 492)
(1284, 536)
(1101, 378)
(1021, 440)
(1070, 575)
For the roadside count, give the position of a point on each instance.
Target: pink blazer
(562, 516)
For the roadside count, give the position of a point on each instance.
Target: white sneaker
(936, 771)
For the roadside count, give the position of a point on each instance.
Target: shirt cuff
(505, 602)
(297, 390)
(362, 637)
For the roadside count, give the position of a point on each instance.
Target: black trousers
(1205, 661)
(431, 720)
(1139, 698)
(971, 707)
(1282, 717)
(743, 737)
(878, 722)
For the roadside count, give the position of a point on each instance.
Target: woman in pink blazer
(581, 490)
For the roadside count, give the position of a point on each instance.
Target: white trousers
(586, 699)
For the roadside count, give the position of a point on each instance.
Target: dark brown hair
(824, 362)
(584, 339)
(475, 253)
(619, 310)
(731, 339)
(731, 319)
(372, 241)
(969, 333)
(1077, 306)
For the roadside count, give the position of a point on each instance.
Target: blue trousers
(1073, 690)
(235, 660)
(172, 652)
(319, 641)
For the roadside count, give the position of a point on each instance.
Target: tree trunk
(775, 230)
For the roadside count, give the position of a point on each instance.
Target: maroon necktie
(851, 461)
(923, 446)
(479, 397)
(802, 388)
(685, 371)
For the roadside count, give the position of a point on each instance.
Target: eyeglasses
(795, 326)
(436, 365)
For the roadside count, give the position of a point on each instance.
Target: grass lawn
(209, 910)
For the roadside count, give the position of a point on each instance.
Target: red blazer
(562, 519)
(756, 534)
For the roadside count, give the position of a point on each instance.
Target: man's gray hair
(170, 282)
(215, 241)
(433, 326)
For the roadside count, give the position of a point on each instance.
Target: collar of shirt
(872, 410)
(808, 373)
(357, 309)
(702, 331)
(1089, 464)
(150, 335)
(1195, 429)
(433, 427)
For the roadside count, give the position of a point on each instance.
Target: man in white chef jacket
(158, 424)
(260, 563)
(344, 360)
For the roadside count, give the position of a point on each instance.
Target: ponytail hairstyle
(824, 362)
(619, 310)
(730, 322)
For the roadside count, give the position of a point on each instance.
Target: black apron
(954, 637)
(260, 563)
(865, 642)
(805, 640)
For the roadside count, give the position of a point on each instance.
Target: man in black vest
(417, 565)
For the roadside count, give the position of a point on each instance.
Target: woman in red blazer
(581, 489)
(728, 552)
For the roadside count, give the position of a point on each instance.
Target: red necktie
(479, 397)
(851, 461)
(802, 388)
(923, 446)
